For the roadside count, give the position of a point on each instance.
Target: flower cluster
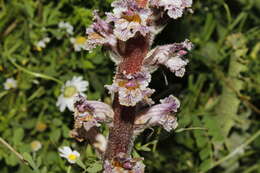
(127, 33)
(128, 19)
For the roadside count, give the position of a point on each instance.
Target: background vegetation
(219, 119)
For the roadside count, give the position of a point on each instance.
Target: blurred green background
(219, 117)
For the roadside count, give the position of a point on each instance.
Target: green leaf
(88, 65)
(205, 165)
(18, 136)
(29, 159)
(95, 167)
(205, 152)
(55, 135)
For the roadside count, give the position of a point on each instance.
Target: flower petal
(159, 114)
(170, 56)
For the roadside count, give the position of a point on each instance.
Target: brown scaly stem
(121, 134)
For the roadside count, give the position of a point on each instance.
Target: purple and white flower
(132, 88)
(129, 19)
(124, 164)
(174, 8)
(100, 33)
(160, 114)
(169, 55)
(88, 113)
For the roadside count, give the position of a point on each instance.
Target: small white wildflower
(36, 145)
(42, 43)
(70, 155)
(69, 91)
(10, 83)
(67, 26)
(79, 43)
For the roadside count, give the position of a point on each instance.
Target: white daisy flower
(79, 43)
(36, 145)
(71, 89)
(42, 43)
(10, 83)
(70, 155)
(67, 26)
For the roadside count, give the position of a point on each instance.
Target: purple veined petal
(108, 168)
(132, 88)
(159, 114)
(129, 19)
(174, 8)
(100, 33)
(186, 3)
(129, 97)
(170, 56)
(89, 124)
(169, 123)
(102, 110)
(175, 12)
(177, 66)
(91, 113)
(97, 109)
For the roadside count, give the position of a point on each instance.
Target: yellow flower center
(94, 36)
(1, 68)
(70, 91)
(39, 49)
(72, 157)
(88, 118)
(40, 126)
(10, 85)
(116, 164)
(126, 84)
(80, 40)
(133, 18)
(35, 145)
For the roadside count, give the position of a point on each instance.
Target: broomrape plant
(50, 71)
(127, 33)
